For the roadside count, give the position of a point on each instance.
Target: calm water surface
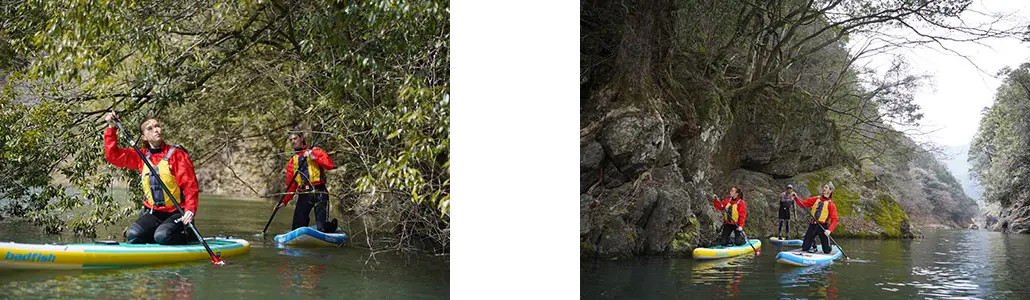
(267, 272)
(945, 264)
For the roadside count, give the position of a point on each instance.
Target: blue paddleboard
(777, 241)
(309, 236)
(804, 259)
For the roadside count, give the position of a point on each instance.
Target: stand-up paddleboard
(310, 236)
(112, 254)
(724, 252)
(804, 259)
(778, 242)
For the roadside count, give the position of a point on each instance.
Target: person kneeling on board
(159, 222)
(734, 211)
(311, 163)
(824, 214)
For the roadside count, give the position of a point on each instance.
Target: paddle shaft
(277, 206)
(794, 209)
(809, 214)
(296, 172)
(748, 241)
(214, 258)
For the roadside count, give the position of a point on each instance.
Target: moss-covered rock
(859, 214)
(889, 215)
(687, 238)
(845, 194)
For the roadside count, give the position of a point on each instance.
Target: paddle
(794, 209)
(215, 260)
(812, 217)
(748, 241)
(302, 160)
(277, 206)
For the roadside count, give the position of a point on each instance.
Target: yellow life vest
(730, 212)
(821, 209)
(310, 171)
(152, 190)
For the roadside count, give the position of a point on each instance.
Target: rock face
(1014, 219)
(635, 199)
(655, 146)
(780, 137)
(645, 192)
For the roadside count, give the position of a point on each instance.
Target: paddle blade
(215, 260)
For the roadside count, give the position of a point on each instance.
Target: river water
(266, 272)
(944, 264)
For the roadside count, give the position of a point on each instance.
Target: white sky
(957, 92)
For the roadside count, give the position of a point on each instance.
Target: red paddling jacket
(733, 211)
(312, 169)
(174, 169)
(822, 208)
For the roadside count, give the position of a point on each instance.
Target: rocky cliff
(658, 138)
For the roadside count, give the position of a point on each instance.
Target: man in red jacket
(825, 213)
(312, 162)
(160, 222)
(734, 211)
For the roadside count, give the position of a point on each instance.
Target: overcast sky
(951, 104)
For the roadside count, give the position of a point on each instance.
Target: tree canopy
(998, 152)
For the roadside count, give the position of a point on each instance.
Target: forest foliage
(368, 79)
(998, 152)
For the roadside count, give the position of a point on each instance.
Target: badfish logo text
(31, 257)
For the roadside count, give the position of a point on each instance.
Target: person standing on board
(734, 211)
(311, 163)
(785, 205)
(824, 214)
(160, 222)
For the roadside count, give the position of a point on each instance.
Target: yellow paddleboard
(724, 252)
(100, 255)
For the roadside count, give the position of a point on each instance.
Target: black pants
(784, 224)
(814, 230)
(157, 227)
(320, 202)
(724, 238)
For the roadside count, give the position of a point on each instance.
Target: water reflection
(724, 276)
(302, 279)
(167, 282)
(291, 252)
(951, 267)
(815, 281)
(1009, 262)
(944, 264)
(171, 285)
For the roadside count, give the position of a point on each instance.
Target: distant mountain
(959, 167)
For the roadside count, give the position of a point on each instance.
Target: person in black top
(785, 205)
